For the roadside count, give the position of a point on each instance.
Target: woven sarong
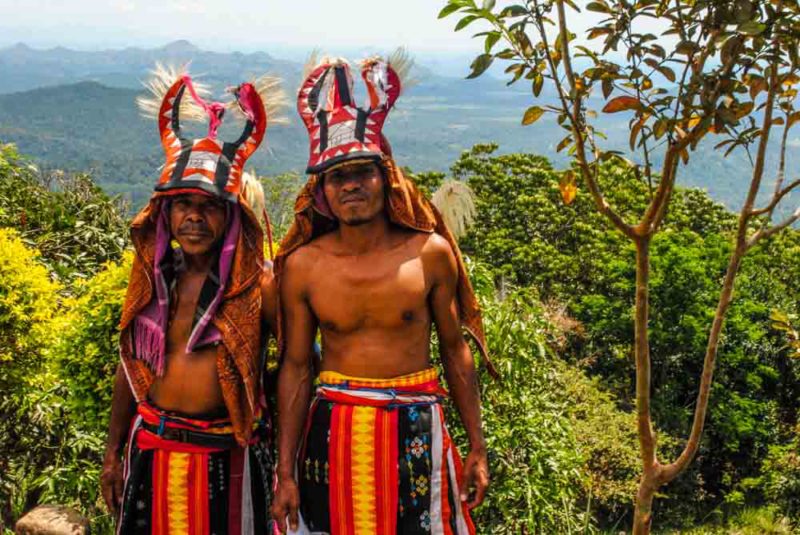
(377, 459)
(189, 476)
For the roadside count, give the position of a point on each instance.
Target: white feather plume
(456, 202)
(253, 193)
(402, 62)
(162, 77)
(270, 88)
(316, 58)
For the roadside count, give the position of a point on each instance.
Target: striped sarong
(189, 476)
(377, 459)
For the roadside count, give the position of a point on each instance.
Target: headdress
(207, 164)
(339, 129)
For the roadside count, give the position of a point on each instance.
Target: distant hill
(75, 110)
(23, 68)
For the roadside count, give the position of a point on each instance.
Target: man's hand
(475, 476)
(286, 502)
(112, 482)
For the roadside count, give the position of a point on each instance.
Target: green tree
(73, 223)
(732, 57)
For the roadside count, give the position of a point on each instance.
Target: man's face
(197, 222)
(354, 192)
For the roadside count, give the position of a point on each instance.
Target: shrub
(28, 302)
(86, 354)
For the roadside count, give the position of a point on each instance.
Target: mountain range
(75, 110)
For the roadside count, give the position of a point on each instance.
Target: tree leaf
(480, 64)
(622, 103)
(635, 131)
(538, 81)
(687, 48)
(466, 21)
(448, 9)
(751, 27)
(491, 40)
(514, 11)
(567, 187)
(598, 7)
(608, 87)
(668, 73)
(488, 5)
(532, 115)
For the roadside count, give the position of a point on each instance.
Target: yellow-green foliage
(28, 299)
(86, 353)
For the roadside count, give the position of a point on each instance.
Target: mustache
(353, 197)
(194, 228)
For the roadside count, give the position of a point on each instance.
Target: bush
(781, 476)
(28, 302)
(558, 445)
(87, 352)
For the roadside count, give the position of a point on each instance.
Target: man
(370, 264)
(188, 409)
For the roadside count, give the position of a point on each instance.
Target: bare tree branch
(769, 231)
(768, 209)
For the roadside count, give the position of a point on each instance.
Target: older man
(370, 265)
(188, 407)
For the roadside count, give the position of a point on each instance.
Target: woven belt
(187, 436)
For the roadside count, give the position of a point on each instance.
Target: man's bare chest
(350, 294)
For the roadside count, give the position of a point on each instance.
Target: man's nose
(351, 184)
(194, 215)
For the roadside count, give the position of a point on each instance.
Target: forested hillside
(76, 112)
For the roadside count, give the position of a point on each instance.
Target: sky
(230, 25)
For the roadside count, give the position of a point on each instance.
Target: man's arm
(123, 408)
(294, 386)
(459, 366)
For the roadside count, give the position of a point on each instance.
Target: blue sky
(227, 25)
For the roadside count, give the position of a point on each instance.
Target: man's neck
(361, 239)
(199, 264)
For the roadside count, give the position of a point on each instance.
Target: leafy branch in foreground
(725, 68)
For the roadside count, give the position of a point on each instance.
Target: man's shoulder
(436, 245)
(307, 254)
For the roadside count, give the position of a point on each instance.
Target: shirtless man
(187, 410)
(375, 456)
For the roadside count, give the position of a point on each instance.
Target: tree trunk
(647, 440)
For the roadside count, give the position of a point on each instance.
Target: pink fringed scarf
(150, 325)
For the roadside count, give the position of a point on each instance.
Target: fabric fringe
(149, 343)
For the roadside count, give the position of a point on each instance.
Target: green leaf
(538, 81)
(448, 10)
(598, 7)
(532, 115)
(751, 27)
(491, 40)
(466, 21)
(480, 64)
(514, 11)
(488, 5)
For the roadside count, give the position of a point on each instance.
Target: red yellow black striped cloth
(377, 459)
(189, 487)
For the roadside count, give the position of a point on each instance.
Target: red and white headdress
(207, 164)
(339, 129)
